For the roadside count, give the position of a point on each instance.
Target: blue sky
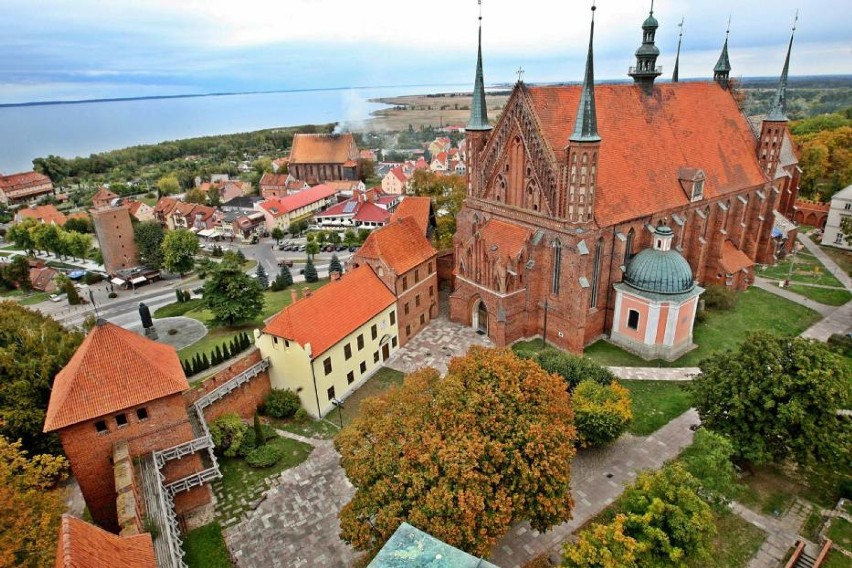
(80, 49)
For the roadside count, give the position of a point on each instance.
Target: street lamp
(339, 405)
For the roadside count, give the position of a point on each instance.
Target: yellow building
(326, 345)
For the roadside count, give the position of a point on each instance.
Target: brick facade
(244, 401)
(811, 213)
(115, 237)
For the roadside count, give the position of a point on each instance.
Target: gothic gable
(494, 256)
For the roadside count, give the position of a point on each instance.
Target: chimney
(335, 275)
(293, 295)
(306, 292)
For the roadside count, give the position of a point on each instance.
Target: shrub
(841, 343)
(228, 433)
(301, 415)
(718, 297)
(92, 278)
(601, 412)
(573, 368)
(112, 295)
(264, 456)
(281, 403)
(172, 331)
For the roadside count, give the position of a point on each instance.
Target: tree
(228, 433)
(350, 239)
(283, 280)
(78, 225)
(312, 248)
(362, 235)
(461, 457)
(846, 229)
(21, 235)
(573, 368)
(179, 249)
(604, 546)
(70, 290)
(447, 193)
(277, 234)
(709, 460)
(311, 271)
(33, 348)
(777, 398)
(262, 278)
(148, 236)
(334, 238)
(601, 412)
(18, 272)
(231, 294)
(368, 169)
(168, 185)
(30, 506)
(335, 266)
(196, 195)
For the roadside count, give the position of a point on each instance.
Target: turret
(646, 69)
(478, 127)
(774, 125)
(722, 70)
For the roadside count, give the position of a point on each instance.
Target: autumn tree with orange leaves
(461, 457)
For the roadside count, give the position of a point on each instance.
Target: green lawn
(205, 547)
(655, 404)
(836, 560)
(310, 428)
(34, 298)
(381, 381)
(827, 296)
(735, 543)
(806, 268)
(771, 487)
(241, 484)
(756, 309)
(843, 258)
(176, 309)
(840, 532)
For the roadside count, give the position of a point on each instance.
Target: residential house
(43, 278)
(140, 210)
(103, 197)
(163, 211)
(42, 213)
(347, 187)
(366, 209)
(841, 208)
(23, 187)
(327, 344)
(405, 261)
(368, 155)
(281, 211)
(251, 224)
(395, 182)
(439, 163)
(273, 185)
(280, 164)
(243, 204)
(317, 158)
(439, 145)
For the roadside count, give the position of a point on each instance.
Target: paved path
(655, 373)
(781, 533)
(772, 287)
(826, 260)
(433, 347)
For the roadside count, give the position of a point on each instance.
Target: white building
(841, 208)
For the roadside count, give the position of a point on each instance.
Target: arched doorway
(479, 318)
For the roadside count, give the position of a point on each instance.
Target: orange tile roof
(273, 180)
(402, 245)
(43, 213)
(13, 182)
(333, 311)
(82, 545)
(733, 259)
(420, 208)
(323, 149)
(113, 369)
(165, 205)
(646, 139)
(281, 205)
(508, 239)
(104, 194)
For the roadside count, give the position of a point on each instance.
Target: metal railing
(193, 480)
(225, 389)
(181, 450)
(657, 70)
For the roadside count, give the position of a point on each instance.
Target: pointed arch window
(596, 274)
(557, 268)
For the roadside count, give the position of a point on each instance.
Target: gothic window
(628, 247)
(557, 268)
(596, 274)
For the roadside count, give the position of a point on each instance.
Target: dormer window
(692, 182)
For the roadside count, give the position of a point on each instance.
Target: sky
(84, 49)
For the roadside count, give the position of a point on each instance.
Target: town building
(317, 158)
(24, 187)
(841, 208)
(83, 545)
(404, 260)
(103, 197)
(274, 185)
(163, 211)
(572, 181)
(43, 278)
(366, 209)
(122, 388)
(421, 209)
(140, 210)
(282, 211)
(327, 344)
(114, 231)
(395, 181)
(47, 214)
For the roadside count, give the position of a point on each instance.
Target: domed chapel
(561, 233)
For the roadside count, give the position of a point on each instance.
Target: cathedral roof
(503, 239)
(646, 139)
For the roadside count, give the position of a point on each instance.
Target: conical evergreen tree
(226, 350)
(235, 347)
(259, 438)
(205, 361)
(285, 279)
(246, 340)
(197, 364)
(335, 266)
(179, 295)
(217, 355)
(311, 271)
(262, 277)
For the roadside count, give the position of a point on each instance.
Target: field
(425, 110)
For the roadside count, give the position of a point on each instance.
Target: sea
(84, 128)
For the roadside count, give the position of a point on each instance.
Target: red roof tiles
(14, 182)
(503, 239)
(82, 545)
(323, 149)
(420, 208)
(281, 205)
(42, 213)
(113, 369)
(402, 245)
(333, 311)
(273, 181)
(646, 139)
(733, 259)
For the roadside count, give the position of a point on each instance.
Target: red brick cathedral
(573, 181)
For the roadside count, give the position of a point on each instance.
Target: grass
(205, 547)
(734, 545)
(310, 428)
(806, 268)
(812, 526)
(756, 310)
(770, 487)
(827, 296)
(381, 381)
(34, 298)
(176, 309)
(241, 484)
(655, 404)
(843, 258)
(836, 560)
(840, 532)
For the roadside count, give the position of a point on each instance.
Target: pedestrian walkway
(435, 345)
(826, 261)
(655, 373)
(781, 533)
(772, 287)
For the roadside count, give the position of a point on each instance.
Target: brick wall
(446, 264)
(115, 237)
(128, 502)
(244, 401)
(811, 213)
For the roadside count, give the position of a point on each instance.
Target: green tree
(846, 229)
(18, 272)
(334, 238)
(321, 237)
(168, 185)
(179, 248)
(777, 398)
(335, 266)
(79, 225)
(70, 290)
(709, 460)
(368, 169)
(601, 412)
(277, 234)
(21, 235)
(228, 433)
(232, 295)
(196, 195)
(604, 546)
(350, 239)
(573, 368)
(461, 457)
(312, 248)
(33, 348)
(311, 271)
(362, 235)
(283, 280)
(262, 277)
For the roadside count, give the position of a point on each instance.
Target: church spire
(646, 69)
(586, 125)
(677, 57)
(779, 104)
(722, 70)
(478, 108)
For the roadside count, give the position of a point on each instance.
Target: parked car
(329, 248)
(283, 246)
(353, 249)
(340, 248)
(302, 248)
(285, 262)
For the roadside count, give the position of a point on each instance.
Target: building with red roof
(122, 387)
(281, 211)
(317, 158)
(23, 187)
(395, 181)
(329, 342)
(42, 213)
(103, 197)
(570, 183)
(274, 185)
(405, 261)
(366, 209)
(421, 209)
(83, 545)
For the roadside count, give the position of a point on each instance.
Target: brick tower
(122, 387)
(115, 237)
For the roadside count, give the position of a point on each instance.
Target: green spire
(586, 125)
(722, 70)
(677, 57)
(779, 105)
(478, 108)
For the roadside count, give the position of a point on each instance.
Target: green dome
(661, 272)
(651, 22)
(647, 49)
